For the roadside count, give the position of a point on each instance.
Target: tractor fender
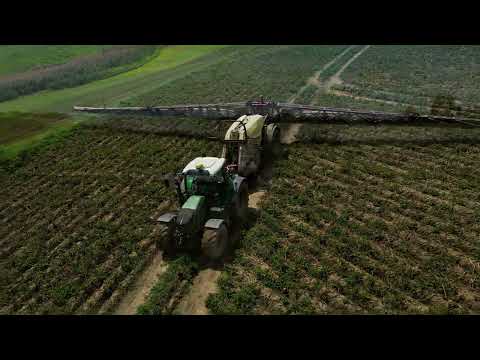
(271, 128)
(237, 181)
(167, 218)
(214, 223)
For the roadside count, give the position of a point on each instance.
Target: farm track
(324, 86)
(140, 290)
(336, 78)
(315, 78)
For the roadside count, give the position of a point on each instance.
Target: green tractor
(213, 201)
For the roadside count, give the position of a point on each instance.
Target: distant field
(116, 88)
(20, 58)
(15, 126)
(77, 71)
(19, 132)
(277, 72)
(395, 78)
(416, 73)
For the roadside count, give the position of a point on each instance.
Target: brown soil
(140, 290)
(204, 284)
(255, 199)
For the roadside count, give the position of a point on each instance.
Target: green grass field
(15, 126)
(19, 58)
(20, 132)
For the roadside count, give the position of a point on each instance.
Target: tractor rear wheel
(166, 239)
(215, 243)
(275, 145)
(241, 205)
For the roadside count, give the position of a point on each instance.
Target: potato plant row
(75, 218)
(362, 229)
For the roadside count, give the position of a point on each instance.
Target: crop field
(351, 219)
(74, 219)
(250, 71)
(417, 73)
(394, 77)
(366, 229)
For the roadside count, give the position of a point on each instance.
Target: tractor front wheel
(166, 239)
(215, 243)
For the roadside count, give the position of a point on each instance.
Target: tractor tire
(215, 243)
(275, 144)
(241, 205)
(166, 239)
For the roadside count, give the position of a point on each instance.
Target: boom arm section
(281, 112)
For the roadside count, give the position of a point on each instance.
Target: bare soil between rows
(142, 286)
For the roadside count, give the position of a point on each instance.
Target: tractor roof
(211, 164)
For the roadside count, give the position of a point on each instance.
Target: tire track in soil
(290, 134)
(335, 79)
(142, 286)
(315, 78)
(204, 284)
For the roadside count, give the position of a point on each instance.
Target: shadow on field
(389, 135)
(399, 142)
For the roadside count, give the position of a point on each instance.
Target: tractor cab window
(200, 182)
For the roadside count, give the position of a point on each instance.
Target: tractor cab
(206, 176)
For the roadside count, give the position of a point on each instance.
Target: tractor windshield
(200, 182)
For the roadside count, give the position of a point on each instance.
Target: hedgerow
(75, 72)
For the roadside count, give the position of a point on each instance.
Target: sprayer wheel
(241, 205)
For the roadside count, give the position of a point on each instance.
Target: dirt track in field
(335, 79)
(142, 286)
(315, 78)
(204, 284)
